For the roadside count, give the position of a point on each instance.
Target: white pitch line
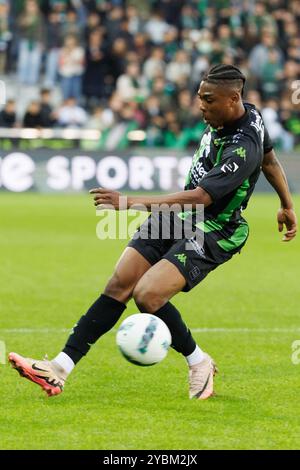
(194, 330)
(245, 330)
(34, 330)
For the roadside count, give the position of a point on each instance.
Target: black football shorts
(193, 260)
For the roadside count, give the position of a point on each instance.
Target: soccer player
(233, 150)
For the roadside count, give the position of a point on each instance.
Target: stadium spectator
(113, 23)
(179, 68)
(271, 75)
(48, 116)
(71, 114)
(8, 116)
(199, 68)
(260, 53)
(254, 97)
(71, 25)
(117, 57)
(261, 19)
(141, 46)
(101, 119)
(156, 27)
(184, 108)
(277, 133)
(33, 116)
(135, 21)
(189, 17)
(31, 33)
(96, 68)
(60, 6)
(93, 22)
(5, 34)
(131, 86)
(164, 91)
(172, 44)
(155, 65)
(71, 67)
(118, 136)
(54, 42)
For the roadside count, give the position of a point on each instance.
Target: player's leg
(152, 294)
(99, 319)
(108, 308)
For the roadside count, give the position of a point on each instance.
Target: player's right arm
(275, 174)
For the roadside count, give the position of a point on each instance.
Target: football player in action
(233, 150)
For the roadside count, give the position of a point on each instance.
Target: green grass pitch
(53, 266)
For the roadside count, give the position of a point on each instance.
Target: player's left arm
(106, 198)
(286, 215)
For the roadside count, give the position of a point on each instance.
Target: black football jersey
(227, 165)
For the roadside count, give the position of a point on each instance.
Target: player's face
(216, 104)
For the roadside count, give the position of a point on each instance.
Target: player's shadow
(229, 398)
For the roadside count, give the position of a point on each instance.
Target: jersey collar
(232, 127)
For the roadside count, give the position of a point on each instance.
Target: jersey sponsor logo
(204, 148)
(199, 169)
(229, 167)
(241, 152)
(258, 124)
(197, 173)
(181, 257)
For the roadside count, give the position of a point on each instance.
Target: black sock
(182, 340)
(99, 319)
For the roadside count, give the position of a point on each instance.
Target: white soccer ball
(144, 339)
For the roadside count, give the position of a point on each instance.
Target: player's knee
(147, 300)
(119, 288)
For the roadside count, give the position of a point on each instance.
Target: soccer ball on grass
(144, 339)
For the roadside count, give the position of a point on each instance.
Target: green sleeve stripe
(219, 222)
(184, 215)
(209, 226)
(235, 202)
(236, 239)
(219, 154)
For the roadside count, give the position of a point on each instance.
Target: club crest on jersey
(229, 167)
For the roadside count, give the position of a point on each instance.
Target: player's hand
(287, 218)
(107, 199)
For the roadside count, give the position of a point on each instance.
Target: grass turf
(53, 266)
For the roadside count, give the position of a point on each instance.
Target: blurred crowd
(126, 65)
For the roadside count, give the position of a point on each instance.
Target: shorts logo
(181, 257)
(229, 167)
(194, 273)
